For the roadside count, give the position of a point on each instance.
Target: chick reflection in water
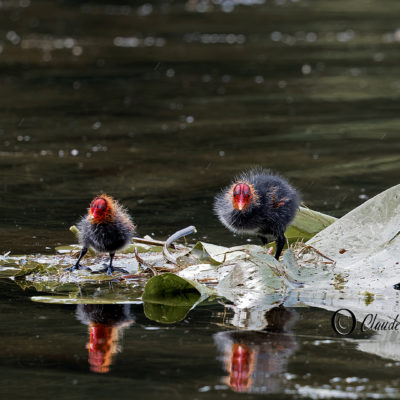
(256, 360)
(106, 324)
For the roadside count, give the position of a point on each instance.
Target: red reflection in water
(240, 368)
(256, 360)
(106, 325)
(102, 346)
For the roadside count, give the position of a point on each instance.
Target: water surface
(160, 104)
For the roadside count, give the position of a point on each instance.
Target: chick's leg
(109, 269)
(280, 242)
(78, 265)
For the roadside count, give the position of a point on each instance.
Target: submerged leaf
(168, 298)
(165, 314)
(170, 289)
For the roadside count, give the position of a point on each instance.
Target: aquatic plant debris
(315, 273)
(46, 273)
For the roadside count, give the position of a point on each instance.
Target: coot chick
(107, 227)
(258, 203)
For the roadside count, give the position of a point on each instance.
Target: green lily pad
(308, 223)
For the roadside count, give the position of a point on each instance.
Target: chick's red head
(100, 209)
(242, 196)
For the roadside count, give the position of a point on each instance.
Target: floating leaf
(371, 236)
(91, 293)
(252, 279)
(308, 223)
(209, 252)
(244, 274)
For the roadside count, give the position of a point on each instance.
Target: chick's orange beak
(95, 213)
(242, 202)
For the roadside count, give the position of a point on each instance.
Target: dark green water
(160, 104)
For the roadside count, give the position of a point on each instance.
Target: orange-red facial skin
(242, 196)
(102, 209)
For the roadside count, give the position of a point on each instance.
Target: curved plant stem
(177, 235)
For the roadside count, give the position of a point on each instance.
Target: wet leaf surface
(204, 265)
(316, 273)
